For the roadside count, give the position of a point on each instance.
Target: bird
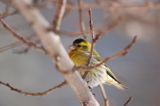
(79, 53)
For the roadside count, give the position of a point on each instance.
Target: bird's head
(81, 44)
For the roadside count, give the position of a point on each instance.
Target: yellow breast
(79, 58)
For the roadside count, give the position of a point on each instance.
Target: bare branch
(59, 56)
(31, 93)
(98, 32)
(105, 98)
(8, 13)
(92, 42)
(104, 6)
(127, 102)
(92, 36)
(118, 54)
(59, 14)
(19, 37)
(7, 47)
(94, 39)
(81, 23)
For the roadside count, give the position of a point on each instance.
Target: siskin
(79, 53)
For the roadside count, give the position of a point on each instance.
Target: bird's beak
(72, 47)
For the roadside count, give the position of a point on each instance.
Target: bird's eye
(85, 47)
(78, 45)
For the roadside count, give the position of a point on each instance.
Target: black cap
(77, 41)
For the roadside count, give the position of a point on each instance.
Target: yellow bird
(79, 53)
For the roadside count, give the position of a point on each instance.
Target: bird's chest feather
(79, 58)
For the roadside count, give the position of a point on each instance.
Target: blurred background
(139, 70)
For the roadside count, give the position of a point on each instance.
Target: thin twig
(7, 11)
(92, 42)
(103, 6)
(104, 95)
(61, 6)
(16, 44)
(81, 22)
(98, 32)
(94, 39)
(118, 54)
(6, 14)
(127, 102)
(19, 37)
(22, 51)
(31, 93)
(92, 35)
(10, 46)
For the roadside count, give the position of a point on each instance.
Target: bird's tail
(115, 83)
(119, 86)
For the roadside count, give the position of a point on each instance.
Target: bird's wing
(96, 55)
(108, 70)
(111, 74)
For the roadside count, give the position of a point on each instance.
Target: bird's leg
(91, 90)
